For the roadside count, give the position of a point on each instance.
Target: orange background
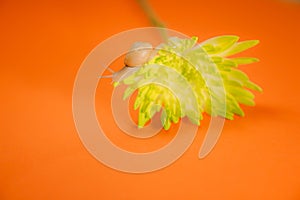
(43, 44)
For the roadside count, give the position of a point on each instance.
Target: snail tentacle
(109, 69)
(107, 76)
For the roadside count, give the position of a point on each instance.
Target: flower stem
(155, 21)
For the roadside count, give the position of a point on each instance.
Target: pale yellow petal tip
(115, 84)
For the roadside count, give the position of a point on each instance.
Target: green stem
(153, 17)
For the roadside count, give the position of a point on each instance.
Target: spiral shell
(138, 55)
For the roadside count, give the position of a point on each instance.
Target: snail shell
(138, 55)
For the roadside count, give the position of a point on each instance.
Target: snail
(139, 54)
